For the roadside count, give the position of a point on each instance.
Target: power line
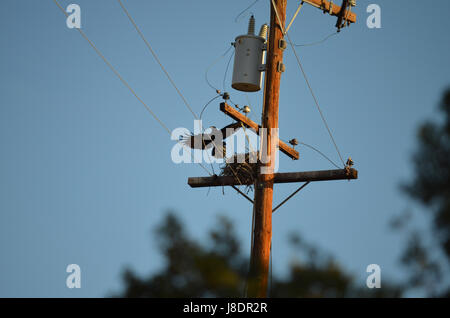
(203, 141)
(321, 153)
(245, 10)
(165, 72)
(115, 71)
(160, 64)
(156, 57)
(207, 104)
(270, 270)
(315, 99)
(121, 78)
(317, 42)
(307, 81)
(226, 71)
(210, 66)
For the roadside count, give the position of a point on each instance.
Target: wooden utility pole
(262, 233)
(268, 131)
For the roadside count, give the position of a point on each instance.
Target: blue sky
(86, 172)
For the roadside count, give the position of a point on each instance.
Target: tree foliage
(427, 255)
(219, 269)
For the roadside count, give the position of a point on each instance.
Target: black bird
(205, 141)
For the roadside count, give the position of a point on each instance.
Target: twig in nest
(243, 167)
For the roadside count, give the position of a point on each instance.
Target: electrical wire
(245, 10)
(315, 100)
(317, 42)
(307, 81)
(318, 151)
(172, 82)
(203, 141)
(278, 17)
(212, 64)
(156, 57)
(124, 82)
(215, 145)
(165, 71)
(207, 104)
(321, 153)
(115, 71)
(271, 267)
(252, 241)
(226, 71)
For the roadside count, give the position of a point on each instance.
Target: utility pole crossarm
(332, 9)
(236, 115)
(286, 177)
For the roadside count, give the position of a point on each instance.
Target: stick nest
(243, 167)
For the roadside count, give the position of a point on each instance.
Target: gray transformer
(248, 60)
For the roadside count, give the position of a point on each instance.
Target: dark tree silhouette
(219, 269)
(427, 254)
